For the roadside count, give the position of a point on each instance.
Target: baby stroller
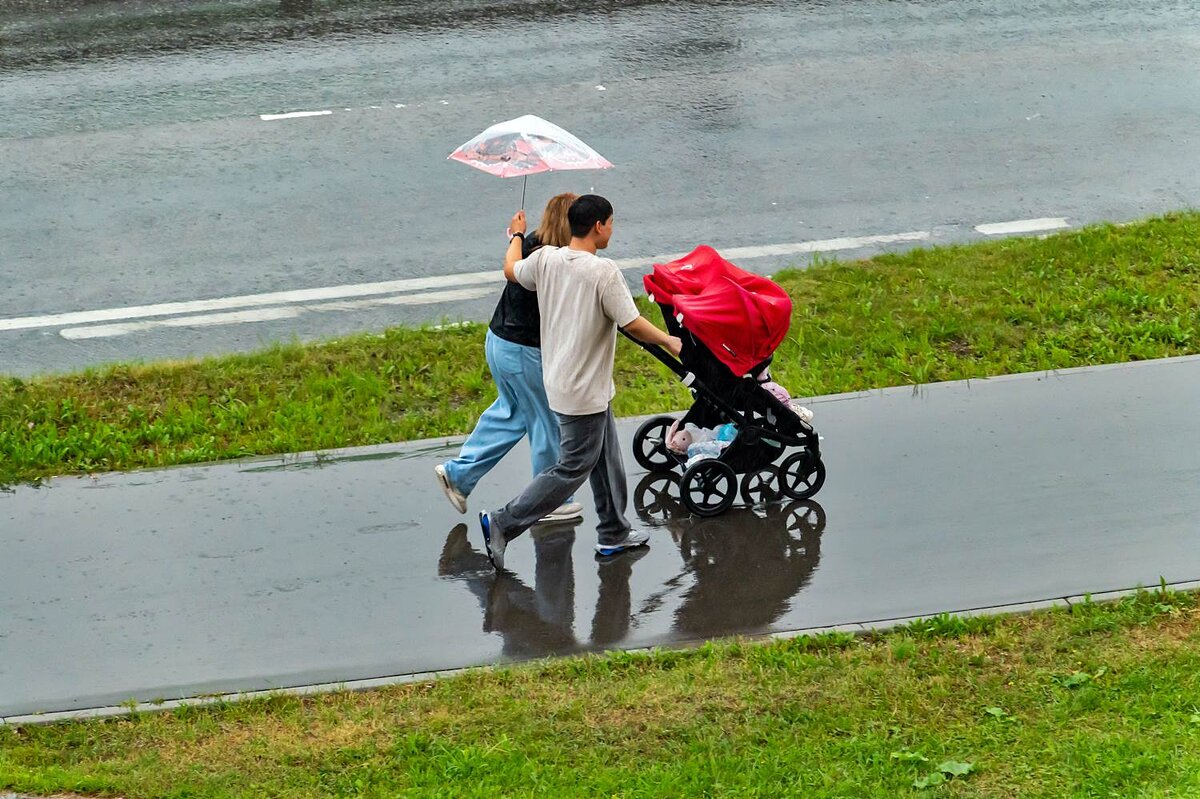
(730, 322)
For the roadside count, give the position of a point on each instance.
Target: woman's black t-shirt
(516, 317)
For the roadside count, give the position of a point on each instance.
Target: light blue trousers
(520, 410)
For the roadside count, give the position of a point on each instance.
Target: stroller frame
(767, 428)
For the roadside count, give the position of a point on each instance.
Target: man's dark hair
(585, 212)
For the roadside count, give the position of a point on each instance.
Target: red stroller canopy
(738, 316)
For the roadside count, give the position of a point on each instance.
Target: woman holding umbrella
(514, 357)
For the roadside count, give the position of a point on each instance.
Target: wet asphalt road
(269, 574)
(135, 168)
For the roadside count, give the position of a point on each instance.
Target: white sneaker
(453, 494)
(636, 538)
(564, 513)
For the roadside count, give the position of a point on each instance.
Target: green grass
(1096, 701)
(1100, 295)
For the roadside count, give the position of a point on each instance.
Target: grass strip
(1100, 295)
(1095, 700)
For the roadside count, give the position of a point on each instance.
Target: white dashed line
(106, 323)
(231, 318)
(797, 248)
(491, 276)
(828, 245)
(294, 115)
(269, 314)
(1023, 226)
(249, 301)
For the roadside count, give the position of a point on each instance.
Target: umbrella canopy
(526, 146)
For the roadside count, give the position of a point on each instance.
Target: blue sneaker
(494, 544)
(635, 538)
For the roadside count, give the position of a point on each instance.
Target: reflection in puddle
(740, 569)
(539, 621)
(739, 574)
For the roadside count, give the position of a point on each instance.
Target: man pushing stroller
(582, 299)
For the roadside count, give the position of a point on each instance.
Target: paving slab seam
(855, 628)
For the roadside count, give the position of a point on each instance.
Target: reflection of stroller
(741, 570)
(730, 322)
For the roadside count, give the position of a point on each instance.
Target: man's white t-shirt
(583, 299)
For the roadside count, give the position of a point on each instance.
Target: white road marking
(249, 301)
(1023, 226)
(828, 245)
(234, 317)
(797, 248)
(294, 115)
(268, 314)
(84, 324)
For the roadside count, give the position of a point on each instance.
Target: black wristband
(514, 235)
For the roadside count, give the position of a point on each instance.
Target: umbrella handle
(524, 183)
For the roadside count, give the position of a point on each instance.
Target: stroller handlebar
(658, 352)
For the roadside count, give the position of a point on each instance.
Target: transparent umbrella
(526, 146)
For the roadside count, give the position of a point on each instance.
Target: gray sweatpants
(588, 449)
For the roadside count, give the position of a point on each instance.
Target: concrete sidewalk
(299, 571)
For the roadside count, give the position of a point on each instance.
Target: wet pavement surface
(136, 169)
(289, 572)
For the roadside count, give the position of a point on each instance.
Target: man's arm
(515, 245)
(647, 332)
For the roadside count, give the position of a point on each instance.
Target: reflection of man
(610, 624)
(540, 622)
(532, 623)
(746, 565)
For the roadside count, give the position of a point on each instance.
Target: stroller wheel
(761, 486)
(650, 445)
(656, 498)
(708, 488)
(801, 474)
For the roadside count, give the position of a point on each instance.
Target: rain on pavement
(136, 168)
(281, 572)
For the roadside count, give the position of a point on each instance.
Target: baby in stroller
(730, 322)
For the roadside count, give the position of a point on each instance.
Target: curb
(854, 628)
